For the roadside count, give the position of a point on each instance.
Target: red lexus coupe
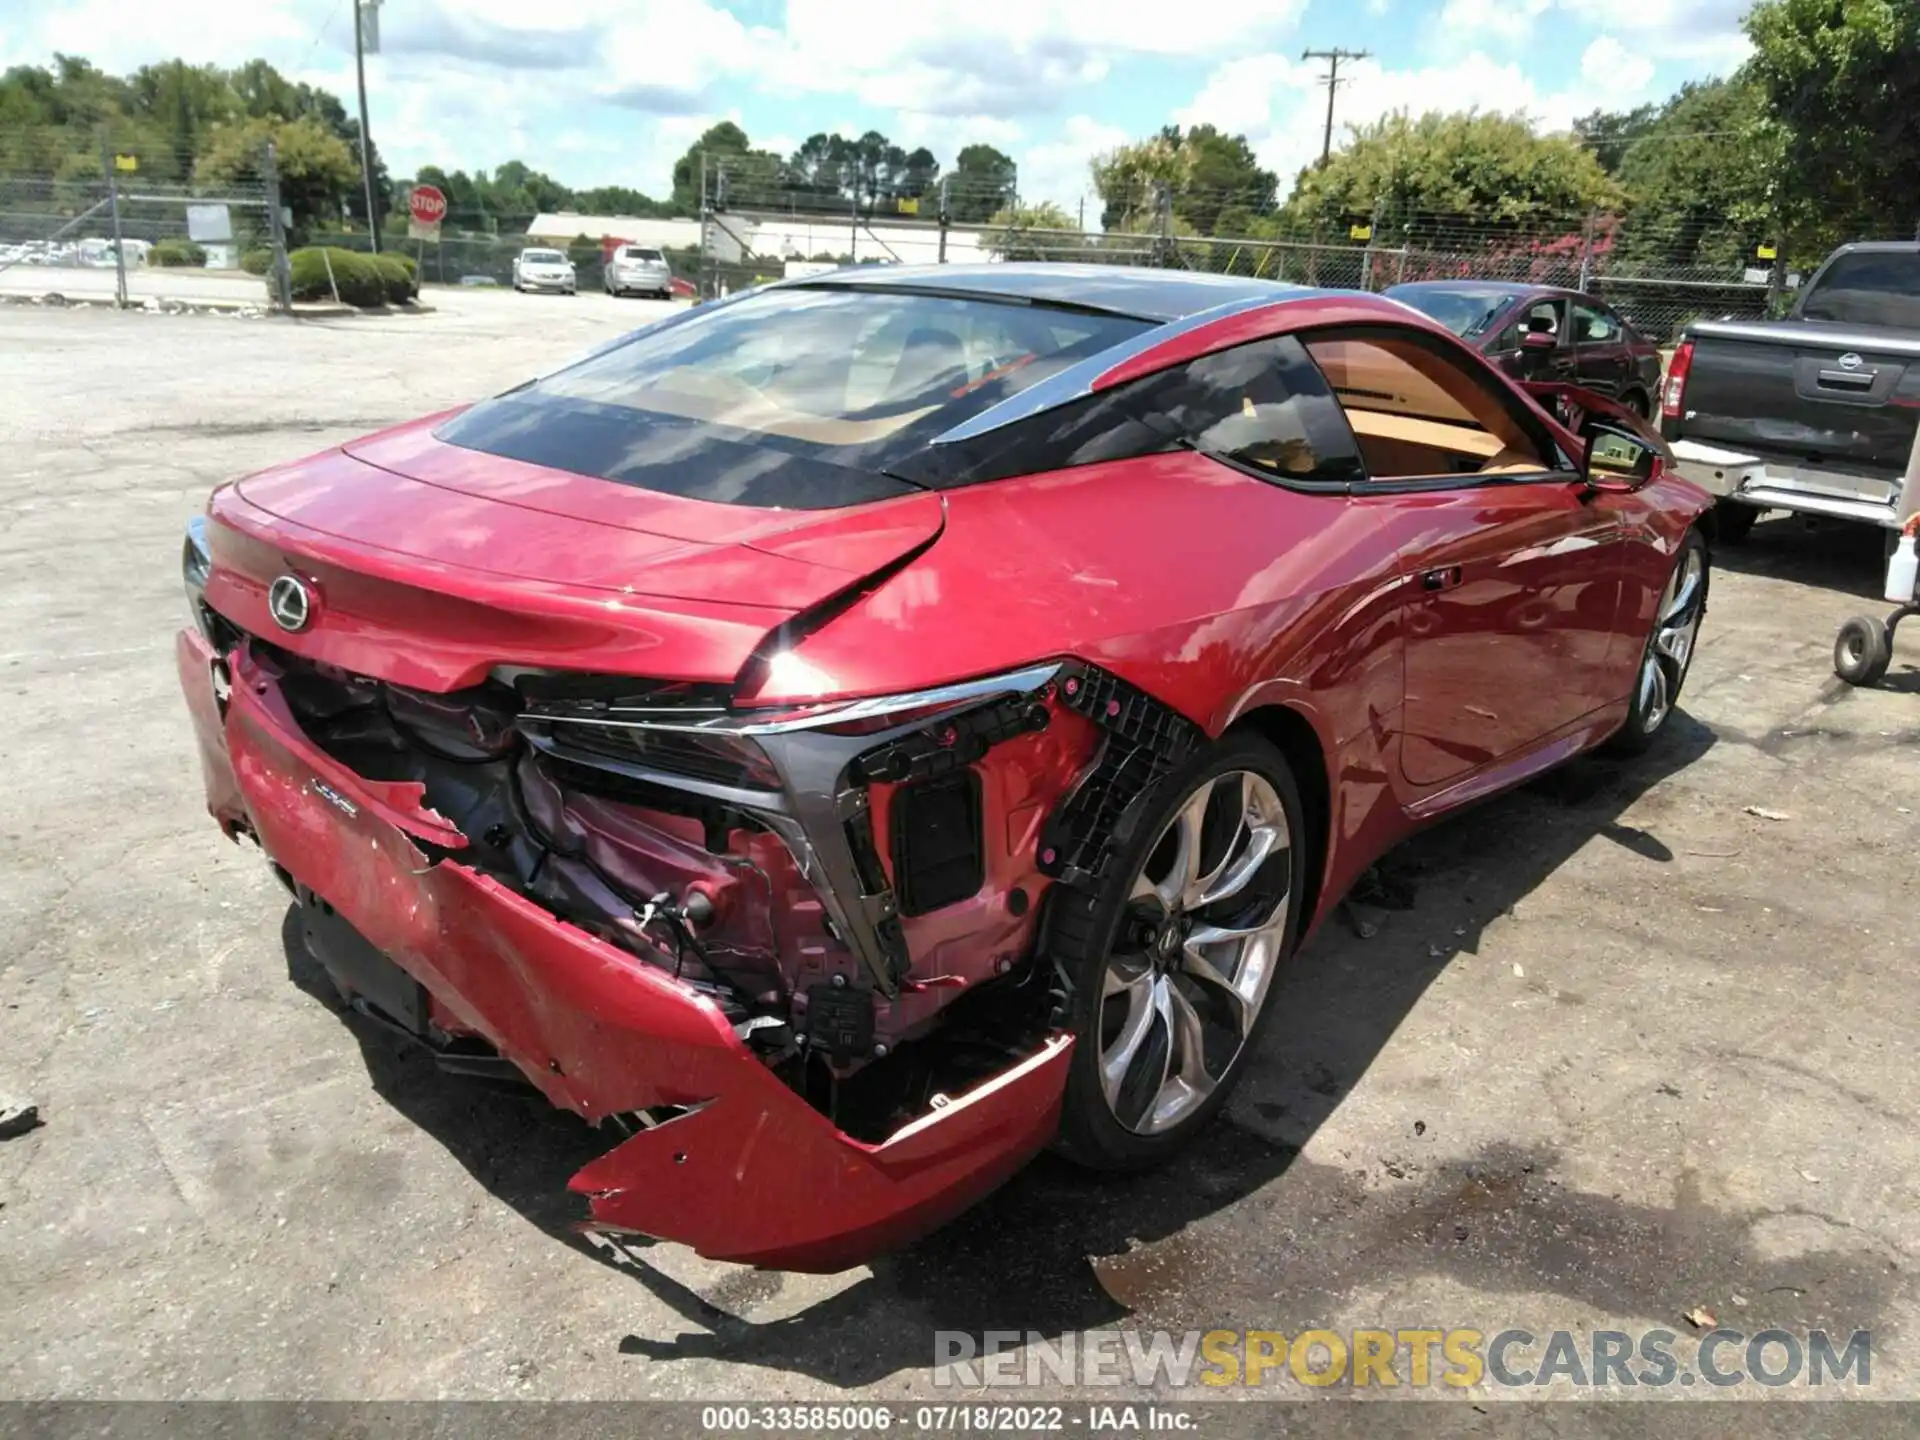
(847, 737)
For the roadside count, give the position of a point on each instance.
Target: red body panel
(1440, 644)
(754, 1174)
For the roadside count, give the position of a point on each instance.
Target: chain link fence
(123, 227)
(125, 232)
(1660, 270)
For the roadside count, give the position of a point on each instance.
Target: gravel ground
(1621, 1048)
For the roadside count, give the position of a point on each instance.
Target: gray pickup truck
(1815, 413)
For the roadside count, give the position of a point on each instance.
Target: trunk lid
(429, 564)
(1824, 393)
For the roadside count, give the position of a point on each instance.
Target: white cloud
(1501, 21)
(1618, 72)
(1702, 33)
(1057, 170)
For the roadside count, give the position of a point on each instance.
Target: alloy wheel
(1204, 927)
(1675, 629)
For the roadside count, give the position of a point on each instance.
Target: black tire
(1732, 519)
(1082, 930)
(1648, 714)
(1638, 402)
(1863, 650)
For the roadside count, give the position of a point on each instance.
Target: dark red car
(1536, 332)
(845, 738)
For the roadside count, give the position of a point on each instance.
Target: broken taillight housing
(664, 729)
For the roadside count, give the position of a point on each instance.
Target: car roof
(1879, 247)
(1513, 289)
(1147, 294)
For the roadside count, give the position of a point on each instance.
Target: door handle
(1443, 579)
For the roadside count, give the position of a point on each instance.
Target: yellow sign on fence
(1359, 232)
(1767, 252)
(126, 162)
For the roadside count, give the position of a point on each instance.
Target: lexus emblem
(1851, 361)
(289, 604)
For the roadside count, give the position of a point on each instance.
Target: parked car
(544, 270)
(1537, 332)
(1815, 413)
(638, 270)
(848, 736)
(479, 282)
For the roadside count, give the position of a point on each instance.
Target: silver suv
(639, 270)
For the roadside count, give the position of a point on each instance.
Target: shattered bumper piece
(749, 1172)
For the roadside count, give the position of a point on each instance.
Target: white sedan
(544, 270)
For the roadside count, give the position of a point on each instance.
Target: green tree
(1033, 232)
(1697, 178)
(1608, 134)
(984, 183)
(1480, 166)
(317, 171)
(1211, 177)
(617, 200)
(1841, 82)
(721, 143)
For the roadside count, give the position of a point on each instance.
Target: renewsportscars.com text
(1413, 1357)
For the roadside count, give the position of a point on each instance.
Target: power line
(1333, 58)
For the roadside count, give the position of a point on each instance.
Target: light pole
(366, 36)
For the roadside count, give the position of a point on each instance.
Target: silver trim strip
(1076, 381)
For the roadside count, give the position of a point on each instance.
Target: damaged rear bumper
(749, 1171)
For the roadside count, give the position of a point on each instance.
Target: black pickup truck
(1815, 413)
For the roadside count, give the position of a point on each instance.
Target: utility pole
(946, 213)
(1333, 58)
(366, 36)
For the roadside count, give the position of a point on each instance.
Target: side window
(1541, 317)
(1418, 413)
(1262, 406)
(1545, 316)
(1593, 325)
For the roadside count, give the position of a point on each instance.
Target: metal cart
(1864, 648)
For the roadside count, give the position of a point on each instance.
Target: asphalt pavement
(1628, 1046)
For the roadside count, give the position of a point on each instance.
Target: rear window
(1868, 288)
(634, 252)
(794, 398)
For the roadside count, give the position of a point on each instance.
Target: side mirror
(1619, 461)
(1539, 342)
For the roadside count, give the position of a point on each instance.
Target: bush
(397, 274)
(358, 277)
(258, 261)
(175, 251)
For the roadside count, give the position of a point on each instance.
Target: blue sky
(611, 91)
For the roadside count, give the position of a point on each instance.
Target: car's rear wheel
(1668, 653)
(1172, 962)
(1638, 403)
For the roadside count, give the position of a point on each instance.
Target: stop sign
(427, 205)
